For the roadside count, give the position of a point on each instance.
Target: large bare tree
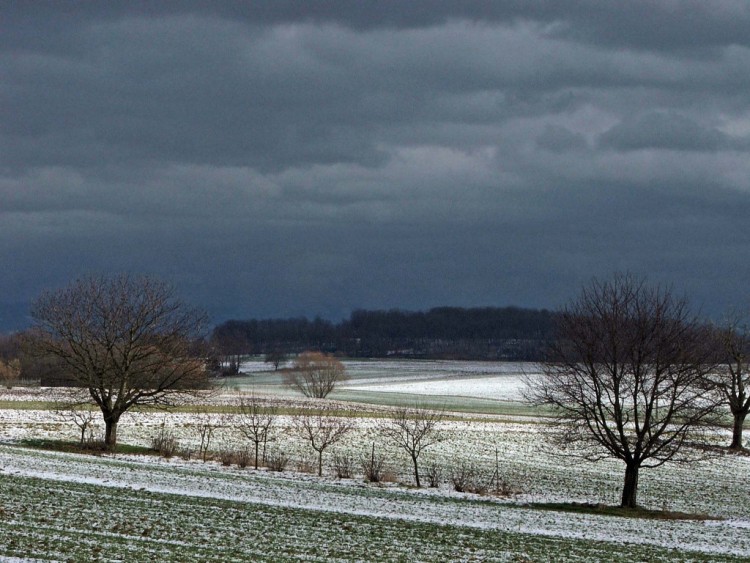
(624, 378)
(315, 374)
(125, 340)
(731, 379)
(413, 430)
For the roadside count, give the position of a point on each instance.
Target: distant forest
(488, 333)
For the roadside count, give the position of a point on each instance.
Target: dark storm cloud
(302, 158)
(641, 24)
(665, 131)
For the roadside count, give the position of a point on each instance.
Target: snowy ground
(458, 385)
(407, 519)
(352, 497)
(487, 380)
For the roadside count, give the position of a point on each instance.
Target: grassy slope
(81, 522)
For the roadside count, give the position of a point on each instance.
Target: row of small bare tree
(412, 430)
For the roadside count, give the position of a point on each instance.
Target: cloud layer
(311, 158)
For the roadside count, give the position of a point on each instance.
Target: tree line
(487, 333)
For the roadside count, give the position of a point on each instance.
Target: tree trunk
(739, 421)
(257, 444)
(416, 472)
(320, 463)
(630, 487)
(110, 432)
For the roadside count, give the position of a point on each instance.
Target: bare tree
(125, 340)
(315, 374)
(731, 379)
(624, 378)
(413, 430)
(256, 421)
(322, 429)
(208, 423)
(80, 415)
(275, 357)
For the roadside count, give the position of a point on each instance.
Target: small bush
(434, 474)
(501, 488)
(227, 457)
(466, 478)
(277, 461)
(165, 442)
(372, 466)
(387, 476)
(95, 445)
(243, 458)
(307, 466)
(344, 466)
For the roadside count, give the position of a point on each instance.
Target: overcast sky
(311, 158)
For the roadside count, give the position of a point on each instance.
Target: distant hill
(486, 333)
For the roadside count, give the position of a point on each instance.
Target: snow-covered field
(145, 503)
(484, 380)
(461, 385)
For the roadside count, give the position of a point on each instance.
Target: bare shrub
(227, 457)
(165, 442)
(344, 466)
(10, 362)
(388, 476)
(497, 485)
(502, 488)
(277, 460)
(96, 445)
(372, 466)
(467, 478)
(306, 466)
(243, 458)
(434, 473)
